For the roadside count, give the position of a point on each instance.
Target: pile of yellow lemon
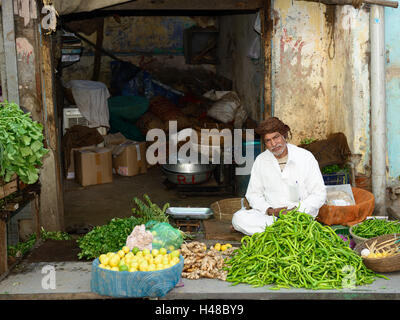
(139, 260)
(221, 247)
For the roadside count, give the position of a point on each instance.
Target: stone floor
(97, 204)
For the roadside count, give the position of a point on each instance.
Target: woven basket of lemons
(381, 254)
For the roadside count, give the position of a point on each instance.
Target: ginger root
(200, 263)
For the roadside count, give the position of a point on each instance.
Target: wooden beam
(3, 73)
(266, 40)
(7, 11)
(51, 198)
(385, 3)
(3, 247)
(189, 5)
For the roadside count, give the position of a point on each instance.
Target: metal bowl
(187, 178)
(184, 166)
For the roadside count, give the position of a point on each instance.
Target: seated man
(283, 177)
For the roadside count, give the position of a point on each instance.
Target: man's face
(275, 143)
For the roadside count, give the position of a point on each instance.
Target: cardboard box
(71, 168)
(93, 166)
(129, 158)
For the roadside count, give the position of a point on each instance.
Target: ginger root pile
(200, 263)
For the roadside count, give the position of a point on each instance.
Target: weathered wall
(320, 72)
(299, 68)
(235, 39)
(392, 36)
(349, 83)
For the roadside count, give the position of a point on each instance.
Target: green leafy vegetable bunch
(21, 144)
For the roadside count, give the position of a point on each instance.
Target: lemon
(175, 253)
(104, 259)
(102, 266)
(158, 259)
(132, 269)
(162, 251)
(175, 260)
(121, 253)
(125, 249)
(123, 267)
(171, 248)
(224, 247)
(134, 265)
(228, 245)
(114, 268)
(154, 252)
(145, 251)
(165, 260)
(159, 266)
(110, 254)
(114, 261)
(144, 266)
(139, 254)
(152, 267)
(107, 267)
(129, 254)
(217, 246)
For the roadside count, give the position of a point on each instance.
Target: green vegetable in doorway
(21, 144)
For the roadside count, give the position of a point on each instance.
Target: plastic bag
(140, 238)
(225, 106)
(164, 235)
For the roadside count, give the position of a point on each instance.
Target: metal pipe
(378, 108)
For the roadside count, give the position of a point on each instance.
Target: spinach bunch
(21, 144)
(107, 238)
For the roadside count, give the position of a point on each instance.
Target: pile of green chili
(297, 251)
(371, 228)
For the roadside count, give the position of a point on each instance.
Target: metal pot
(187, 178)
(183, 166)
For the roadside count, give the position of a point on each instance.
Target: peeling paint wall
(320, 72)
(392, 36)
(299, 68)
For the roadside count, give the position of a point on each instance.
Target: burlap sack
(333, 150)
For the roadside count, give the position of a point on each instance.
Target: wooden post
(266, 40)
(51, 196)
(7, 11)
(3, 247)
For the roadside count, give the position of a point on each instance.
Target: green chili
(296, 251)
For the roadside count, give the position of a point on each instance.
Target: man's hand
(275, 212)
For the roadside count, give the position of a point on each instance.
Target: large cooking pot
(183, 171)
(183, 165)
(187, 178)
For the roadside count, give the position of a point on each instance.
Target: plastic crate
(336, 178)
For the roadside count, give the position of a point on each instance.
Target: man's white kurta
(300, 184)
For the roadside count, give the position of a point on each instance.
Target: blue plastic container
(242, 181)
(336, 178)
(138, 284)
